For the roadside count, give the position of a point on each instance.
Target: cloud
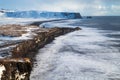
(115, 7)
(85, 7)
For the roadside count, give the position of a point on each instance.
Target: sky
(85, 7)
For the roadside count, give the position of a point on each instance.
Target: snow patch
(29, 35)
(20, 76)
(2, 68)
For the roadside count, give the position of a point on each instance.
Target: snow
(40, 14)
(26, 17)
(2, 68)
(19, 76)
(23, 21)
(28, 35)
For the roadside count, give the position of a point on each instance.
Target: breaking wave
(81, 55)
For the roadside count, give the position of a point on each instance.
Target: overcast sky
(85, 7)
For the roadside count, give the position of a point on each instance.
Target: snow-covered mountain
(40, 14)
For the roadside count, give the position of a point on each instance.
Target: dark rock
(78, 28)
(89, 17)
(28, 47)
(15, 69)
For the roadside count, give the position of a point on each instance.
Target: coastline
(24, 50)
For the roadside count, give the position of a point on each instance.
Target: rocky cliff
(39, 41)
(42, 14)
(26, 40)
(15, 69)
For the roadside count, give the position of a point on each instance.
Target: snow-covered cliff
(40, 14)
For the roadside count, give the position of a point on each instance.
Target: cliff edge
(21, 46)
(43, 14)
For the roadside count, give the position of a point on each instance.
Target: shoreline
(24, 51)
(37, 23)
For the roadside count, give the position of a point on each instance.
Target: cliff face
(19, 65)
(15, 69)
(28, 47)
(39, 14)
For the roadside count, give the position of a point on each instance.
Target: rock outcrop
(18, 66)
(15, 69)
(42, 38)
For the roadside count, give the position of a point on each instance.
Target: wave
(87, 56)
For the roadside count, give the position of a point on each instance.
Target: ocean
(92, 53)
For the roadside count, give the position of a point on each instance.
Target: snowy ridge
(40, 14)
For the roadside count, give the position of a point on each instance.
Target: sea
(92, 53)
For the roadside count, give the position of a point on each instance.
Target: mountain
(40, 14)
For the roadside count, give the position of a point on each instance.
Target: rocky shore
(19, 46)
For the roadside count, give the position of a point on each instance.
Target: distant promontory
(42, 14)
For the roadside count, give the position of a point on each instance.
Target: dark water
(92, 53)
